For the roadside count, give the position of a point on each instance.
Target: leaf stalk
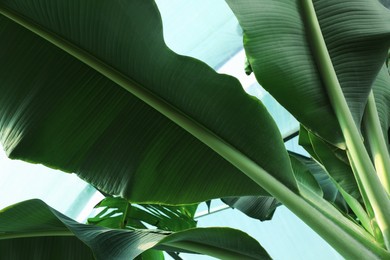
(359, 155)
(376, 141)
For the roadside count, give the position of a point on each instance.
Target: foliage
(138, 121)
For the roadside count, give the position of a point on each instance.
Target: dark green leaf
(304, 175)
(385, 3)
(58, 111)
(236, 245)
(336, 164)
(279, 49)
(329, 190)
(42, 248)
(119, 213)
(260, 207)
(33, 219)
(335, 193)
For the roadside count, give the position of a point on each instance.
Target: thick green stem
(377, 143)
(365, 170)
(377, 233)
(343, 235)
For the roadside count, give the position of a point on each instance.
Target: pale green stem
(377, 143)
(357, 208)
(343, 235)
(377, 233)
(54, 233)
(366, 172)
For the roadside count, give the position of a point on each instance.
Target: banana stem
(376, 141)
(365, 170)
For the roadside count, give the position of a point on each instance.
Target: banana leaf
(90, 87)
(27, 226)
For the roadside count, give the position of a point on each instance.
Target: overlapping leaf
(333, 159)
(119, 213)
(60, 112)
(35, 222)
(279, 50)
(328, 189)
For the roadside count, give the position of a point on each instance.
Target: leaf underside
(58, 111)
(279, 50)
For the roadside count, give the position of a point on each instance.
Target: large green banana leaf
(34, 223)
(278, 45)
(93, 104)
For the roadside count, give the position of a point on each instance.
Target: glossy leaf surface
(58, 111)
(279, 50)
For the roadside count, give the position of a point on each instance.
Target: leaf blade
(165, 143)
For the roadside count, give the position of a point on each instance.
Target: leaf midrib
(300, 206)
(195, 128)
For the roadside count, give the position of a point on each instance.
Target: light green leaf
(33, 219)
(151, 255)
(278, 47)
(56, 110)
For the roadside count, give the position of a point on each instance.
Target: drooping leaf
(119, 213)
(263, 207)
(56, 110)
(33, 219)
(304, 174)
(328, 189)
(335, 162)
(335, 193)
(279, 50)
(258, 207)
(236, 245)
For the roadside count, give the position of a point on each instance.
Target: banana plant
(90, 87)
